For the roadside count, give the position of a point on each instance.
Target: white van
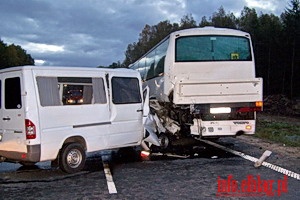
(61, 113)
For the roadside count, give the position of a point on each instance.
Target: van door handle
(6, 118)
(140, 110)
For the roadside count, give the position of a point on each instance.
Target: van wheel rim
(74, 158)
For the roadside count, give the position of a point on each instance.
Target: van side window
(75, 90)
(13, 93)
(48, 91)
(56, 91)
(125, 90)
(99, 90)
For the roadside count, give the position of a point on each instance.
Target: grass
(280, 132)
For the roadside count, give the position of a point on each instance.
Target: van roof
(64, 68)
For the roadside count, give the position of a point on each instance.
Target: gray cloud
(92, 33)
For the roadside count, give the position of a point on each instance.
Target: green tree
(187, 21)
(13, 55)
(204, 22)
(161, 30)
(115, 65)
(132, 53)
(221, 19)
(268, 52)
(291, 26)
(148, 38)
(3, 60)
(248, 21)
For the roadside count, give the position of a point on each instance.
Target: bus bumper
(222, 128)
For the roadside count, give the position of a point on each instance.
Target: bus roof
(209, 30)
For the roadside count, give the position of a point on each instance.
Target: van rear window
(12, 97)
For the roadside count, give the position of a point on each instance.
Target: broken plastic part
(265, 155)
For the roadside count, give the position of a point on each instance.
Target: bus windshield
(212, 48)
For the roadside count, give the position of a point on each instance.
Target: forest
(275, 39)
(13, 55)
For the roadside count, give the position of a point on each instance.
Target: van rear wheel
(72, 158)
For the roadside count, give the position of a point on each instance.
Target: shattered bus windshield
(212, 48)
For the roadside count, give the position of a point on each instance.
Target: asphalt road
(209, 174)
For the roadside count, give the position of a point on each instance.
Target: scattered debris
(265, 155)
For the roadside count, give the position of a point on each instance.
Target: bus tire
(72, 158)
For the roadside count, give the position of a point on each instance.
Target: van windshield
(212, 48)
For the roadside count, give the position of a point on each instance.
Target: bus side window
(160, 66)
(150, 73)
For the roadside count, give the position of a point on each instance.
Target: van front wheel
(72, 158)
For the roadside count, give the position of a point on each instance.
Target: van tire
(72, 158)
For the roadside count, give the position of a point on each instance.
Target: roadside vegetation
(286, 132)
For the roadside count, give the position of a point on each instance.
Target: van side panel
(58, 123)
(77, 108)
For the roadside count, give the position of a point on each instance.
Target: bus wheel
(72, 158)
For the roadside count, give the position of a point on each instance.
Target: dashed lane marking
(253, 159)
(109, 179)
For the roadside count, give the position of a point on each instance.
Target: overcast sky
(97, 32)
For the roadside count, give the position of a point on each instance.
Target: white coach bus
(202, 83)
(60, 113)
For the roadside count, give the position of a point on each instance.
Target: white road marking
(109, 179)
(253, 159)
